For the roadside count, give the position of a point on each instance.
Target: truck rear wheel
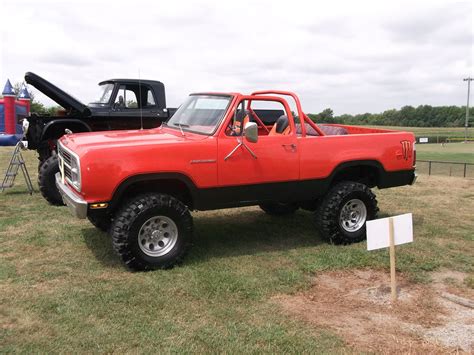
(278, 208)
(47, 183)
(344, 211)
(152, 231)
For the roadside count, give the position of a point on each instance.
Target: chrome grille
(65, 159)
(66, 156)
(67, 172)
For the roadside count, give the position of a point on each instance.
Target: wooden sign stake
(393, 280)
(381, 234)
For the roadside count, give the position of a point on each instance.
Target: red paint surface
(26, 103)
(9, 114)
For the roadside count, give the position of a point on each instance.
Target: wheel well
(366, 174)
(173, 187)
(56, 130)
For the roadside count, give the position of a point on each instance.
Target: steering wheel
(234, 128)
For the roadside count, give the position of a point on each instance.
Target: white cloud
(353, 56)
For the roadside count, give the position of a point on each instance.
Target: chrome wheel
(157, 236)
(353, 215)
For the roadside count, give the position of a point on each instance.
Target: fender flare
(359, 163)
(66, 123)
(125, 184)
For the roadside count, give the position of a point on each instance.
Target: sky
(352, 56)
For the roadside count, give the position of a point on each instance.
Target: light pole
(467, 106)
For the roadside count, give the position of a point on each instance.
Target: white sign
(378, 231)
(423, 140)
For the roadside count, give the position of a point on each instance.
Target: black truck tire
(342, 214)
(278, 208)
(152, 231)
(47, 182)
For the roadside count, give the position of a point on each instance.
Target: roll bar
(301, 114)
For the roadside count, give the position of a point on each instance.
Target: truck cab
(121, 104)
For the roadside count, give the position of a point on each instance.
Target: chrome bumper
(415, 176)
(77, 205)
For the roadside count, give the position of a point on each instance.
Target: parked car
(216, 152)
(121, 104)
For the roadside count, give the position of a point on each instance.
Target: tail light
(414, 154)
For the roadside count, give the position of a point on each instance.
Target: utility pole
(469, 79)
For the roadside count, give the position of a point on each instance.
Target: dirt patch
(357, 306)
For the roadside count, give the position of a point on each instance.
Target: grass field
(450, 152)
(458, 152)
(64, 290)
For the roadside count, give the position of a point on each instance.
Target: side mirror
(251, 132)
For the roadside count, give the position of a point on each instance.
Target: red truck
(222, 150)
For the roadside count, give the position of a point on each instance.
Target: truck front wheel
(343, 212)
(47, 183)
(152, 231)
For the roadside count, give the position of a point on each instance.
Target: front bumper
(415, 176)
(76, 205)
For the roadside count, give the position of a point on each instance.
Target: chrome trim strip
(76, 205)
(202, 161)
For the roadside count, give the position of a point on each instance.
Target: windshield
(200, 113)
(105, 91)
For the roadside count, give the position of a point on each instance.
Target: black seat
(280, 125)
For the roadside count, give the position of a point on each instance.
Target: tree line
(407, 116)
(421, 116)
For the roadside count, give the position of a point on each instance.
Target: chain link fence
(445, 168)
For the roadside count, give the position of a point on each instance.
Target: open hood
(56, 94)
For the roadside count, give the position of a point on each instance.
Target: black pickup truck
(121, 104)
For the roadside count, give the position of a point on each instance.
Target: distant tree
(325, 116)
(407, 115)
(421, 116)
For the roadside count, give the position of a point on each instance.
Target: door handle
(292, 146)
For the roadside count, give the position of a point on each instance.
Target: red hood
(81, 143)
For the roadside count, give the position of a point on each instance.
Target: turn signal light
(96, 206)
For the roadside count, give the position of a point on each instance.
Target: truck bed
(338, 129)
(360, 130)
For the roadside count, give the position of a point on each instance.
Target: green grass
(458, 152)
(64, 290)
(449, 152)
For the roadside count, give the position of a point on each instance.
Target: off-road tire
(329, 211)
(47, 181)
(103, 223)
(133, 216)
(278, 208)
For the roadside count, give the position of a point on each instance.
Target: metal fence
(445, 168)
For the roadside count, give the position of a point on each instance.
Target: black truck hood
(56, 94)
